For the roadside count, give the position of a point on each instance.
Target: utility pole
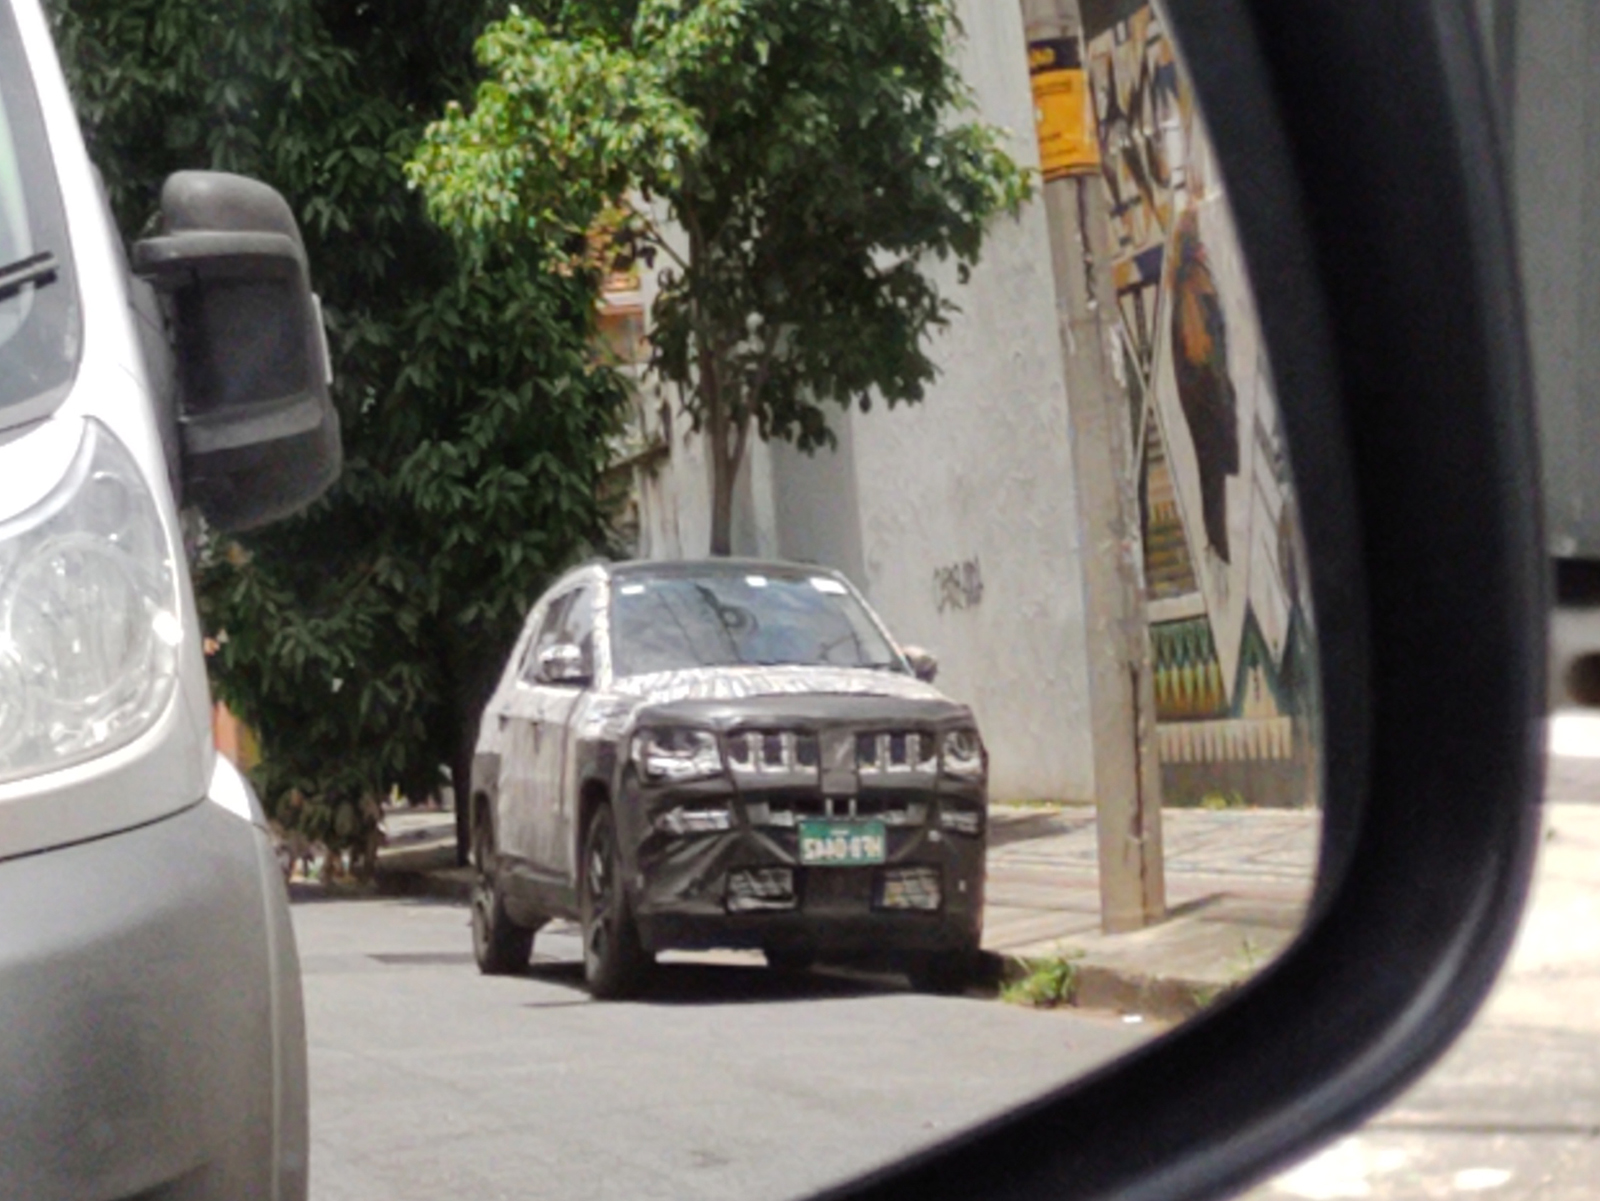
(1127, 769)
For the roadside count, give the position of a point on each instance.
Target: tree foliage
(360, 639)
(810, 158)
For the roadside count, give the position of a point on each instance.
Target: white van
(151, 1030)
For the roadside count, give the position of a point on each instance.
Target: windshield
(38, 308)
(730, 617)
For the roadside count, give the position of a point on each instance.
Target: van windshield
(38, 297)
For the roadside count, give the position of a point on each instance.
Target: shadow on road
(719, 984)
(1034, 825)
(726, 984)
(311, 892)
(675, 983)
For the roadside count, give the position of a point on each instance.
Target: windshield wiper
(37, 269)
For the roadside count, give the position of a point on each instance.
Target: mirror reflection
(812, 645)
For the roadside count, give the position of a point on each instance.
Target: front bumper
(689, 890)
(151, 1031)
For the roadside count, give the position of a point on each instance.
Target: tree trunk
(728, 440)
(725, 445)
(723, 474)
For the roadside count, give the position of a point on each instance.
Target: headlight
(677, 755)
(89, 627)
(961, 755)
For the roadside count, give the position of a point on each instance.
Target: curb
(1102, 986)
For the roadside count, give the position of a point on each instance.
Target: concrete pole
(1127, 771)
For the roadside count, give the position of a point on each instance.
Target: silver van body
(151, 1026)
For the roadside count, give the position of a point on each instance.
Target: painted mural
(1228, 621)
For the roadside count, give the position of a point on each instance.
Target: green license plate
(842, 844)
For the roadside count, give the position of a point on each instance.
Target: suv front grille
(886, 775)
(896, 753)
(774, 754)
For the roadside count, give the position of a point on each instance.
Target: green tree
(806, 160)
(362, 638)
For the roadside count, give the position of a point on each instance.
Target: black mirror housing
(259, 433)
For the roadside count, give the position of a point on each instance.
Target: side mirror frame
(259, 436)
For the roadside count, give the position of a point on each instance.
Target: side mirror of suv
(924, 663)
(259, 434)
(563, 663)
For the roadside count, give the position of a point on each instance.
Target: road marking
(1343, 1170)
(1477, 1180)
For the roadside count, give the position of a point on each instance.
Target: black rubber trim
(1577, 583)
(1358, 147)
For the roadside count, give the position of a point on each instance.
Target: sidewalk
(1237, 884)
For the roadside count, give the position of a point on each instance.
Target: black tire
(500, 946)
(615, 963)
(790, 959)
(946, 973)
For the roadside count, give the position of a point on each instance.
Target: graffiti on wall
(958, 586)
(1228, 623)
(1138, 106)
(1200, 368)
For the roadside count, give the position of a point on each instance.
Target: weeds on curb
(1045, 983)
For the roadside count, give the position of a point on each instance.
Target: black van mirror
(259, 433)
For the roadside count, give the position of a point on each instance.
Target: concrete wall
(957, 517)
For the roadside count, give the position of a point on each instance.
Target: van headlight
(89, 628)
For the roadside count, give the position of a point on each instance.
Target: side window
(547, 636)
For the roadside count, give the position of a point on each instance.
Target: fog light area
(909, 888)
(693, 821)
(756, 889)
(961, 821)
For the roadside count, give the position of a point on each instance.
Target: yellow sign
(1067, 144)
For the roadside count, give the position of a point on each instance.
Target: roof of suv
(683, 567)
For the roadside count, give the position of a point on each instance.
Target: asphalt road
(430, 1081)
